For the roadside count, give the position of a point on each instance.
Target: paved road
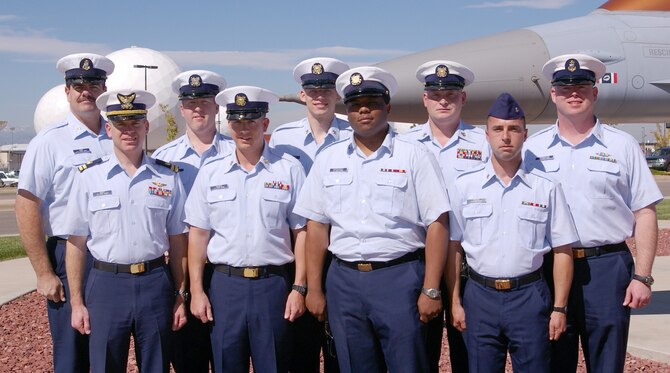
(7, 214)
(664, 184)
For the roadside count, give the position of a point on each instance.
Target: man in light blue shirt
(375, 201)
(612, 196)
(241, 220)
(47, 173)
(128, 210)
(196, 90)
(505, 219)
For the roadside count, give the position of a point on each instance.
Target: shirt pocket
(602, 178)
(158, 208)
(475, 216)
(389, 195)
(222, 208)
(273, 207)
(105, 214)
(532, 225)
(337, 186)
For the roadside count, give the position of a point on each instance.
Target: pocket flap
(219, 195)
(603, 166)
(395, 180)
(103, 203)
(477, 210)
(155, 202)
(333, 179)
(535, 214)
(277, 195)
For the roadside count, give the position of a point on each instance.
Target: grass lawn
(663, 210)
(11, 248)
(658, 172)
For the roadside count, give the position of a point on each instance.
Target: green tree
(171, 127)
(661, 138)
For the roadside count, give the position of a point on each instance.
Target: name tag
(219, 187)
(82, 151)
(103, 193)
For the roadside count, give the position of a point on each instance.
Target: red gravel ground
(25, 343)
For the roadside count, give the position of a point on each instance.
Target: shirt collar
(114, 167)
(265, 161)
(333, 131)
(491, 177)
(79, 129)
(596, 134)
(387, 144)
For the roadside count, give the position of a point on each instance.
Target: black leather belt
(135, 268)
(371, 266)
(587, 252)
(505, 283)
(252, 272)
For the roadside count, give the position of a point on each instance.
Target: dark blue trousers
(515, 320)
(458, 353)
(596, 315)
(375, 319)
(249, 322)
(120, 304)
(70, 348)
(192, 347)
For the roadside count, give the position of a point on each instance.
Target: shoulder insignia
(89, 164)
(169, 165)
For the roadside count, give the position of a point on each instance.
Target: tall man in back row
(612, 196)
(304, 140)
(47, 173)
(385, 200)
(458, 147)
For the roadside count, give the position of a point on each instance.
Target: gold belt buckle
(137, 268)
(364, 267)
(503, 284)
(578, 253)
(251, 272)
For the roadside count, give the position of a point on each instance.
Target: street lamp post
(145, 67)
(9, 161)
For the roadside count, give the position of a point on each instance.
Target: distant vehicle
(660, 159)
(7, 181)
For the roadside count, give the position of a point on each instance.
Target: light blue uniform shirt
(180, 152)
(126, 219)
(605, 178)
(296, 139)
(378, 206)
(505, 230)
(50, 164)
(466, 149)
(249, 213)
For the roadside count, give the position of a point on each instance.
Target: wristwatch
(432, 293)
(563, 310)
(184, 294)
(300, 289)
(647, 280)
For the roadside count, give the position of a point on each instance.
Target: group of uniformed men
(371, 231)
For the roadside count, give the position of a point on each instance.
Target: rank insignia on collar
(534, 204)
(195, 80)
(472, 154)
(86, 165)
(126, 100)
(441, 71)
(463, 133)
(86, 64)
(277, 185)
(317, 69)
(241, 99)
(356, 79)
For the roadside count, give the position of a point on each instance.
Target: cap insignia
(317, 69)
(126, 100)
(241, 99)
(516, 109)
(441, 71)
(571, 65)
(195, 80)
(356, 79)
(85, 64)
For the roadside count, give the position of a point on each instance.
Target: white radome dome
(52, 108)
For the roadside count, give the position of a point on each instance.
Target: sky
(247, 42)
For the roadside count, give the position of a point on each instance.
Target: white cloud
(532, 4)
(38, 44)
(276, 60)
(8, 17)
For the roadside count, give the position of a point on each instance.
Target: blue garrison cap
(573, 69)
(505, 107)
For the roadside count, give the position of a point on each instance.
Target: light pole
(146, 67)
(9, 161)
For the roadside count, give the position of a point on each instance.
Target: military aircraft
(632, 37)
